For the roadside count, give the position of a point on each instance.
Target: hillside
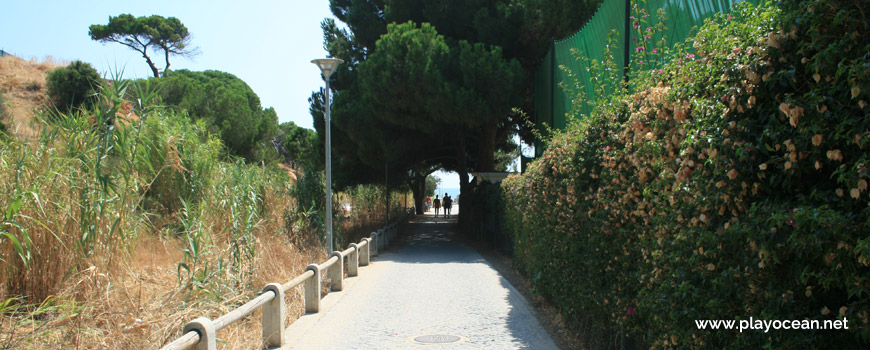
(23, 86)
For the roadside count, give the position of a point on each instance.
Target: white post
(273, 317)
(353, 261)
(207, 333)
(312, 290)
(365, 254)
(336, 272)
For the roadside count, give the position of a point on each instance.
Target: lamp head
(327, 65)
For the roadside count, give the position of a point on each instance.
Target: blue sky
(268, 44)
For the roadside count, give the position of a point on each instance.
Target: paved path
(432, 285)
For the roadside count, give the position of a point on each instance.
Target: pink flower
(640, 48)
(636, 25)
(691, 56)
(655, 51)
(630, 311)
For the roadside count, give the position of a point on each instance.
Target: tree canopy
(72, 86)
(298, 145)
(434, 84)
(229, 106)
(142, 33)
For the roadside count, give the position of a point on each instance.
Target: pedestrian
(428, 203)
(448, 204)
(436, 204)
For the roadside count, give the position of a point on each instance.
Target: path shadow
(427, 239)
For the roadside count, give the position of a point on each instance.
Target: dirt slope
(23, 86)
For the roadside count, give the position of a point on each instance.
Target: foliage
(432, 183)
(310, 194)
(67, 198)
(73, 86)
(140, 33)
(365, 211)
(730, 183)
(298, 145)
(113, 200)
(4, 115)
(449, 92)
(228, 107)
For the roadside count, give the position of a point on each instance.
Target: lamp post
(327, 67)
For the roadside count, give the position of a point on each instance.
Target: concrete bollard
(312, 290)
(336, 272)
(373, 243)
(207, 333)
(273, 317)
(365, 254)
(353, 261)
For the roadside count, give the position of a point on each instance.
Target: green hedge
(732, 184)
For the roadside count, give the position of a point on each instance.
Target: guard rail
(201, 333)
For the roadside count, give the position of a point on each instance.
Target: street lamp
(327, 67)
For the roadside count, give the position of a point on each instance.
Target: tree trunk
(486, 152)
(151, 64)
(166, 70)
(466, 210)
(418, 187)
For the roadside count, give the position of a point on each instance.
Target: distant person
(436, 204)
(448, 204)
(428, 203)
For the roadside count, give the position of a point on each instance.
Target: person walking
(436, 204)
(448, 204)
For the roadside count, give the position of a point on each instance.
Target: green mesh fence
(606, 29)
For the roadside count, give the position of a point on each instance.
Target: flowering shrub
(732, 183)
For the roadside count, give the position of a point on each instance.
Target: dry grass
(141, 306)
(23, 84)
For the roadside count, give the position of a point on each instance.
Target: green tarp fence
(552, 103)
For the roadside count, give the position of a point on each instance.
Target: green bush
(178, 158)
(4, 115)
(298, 145)
(731, 184)
(228, 106)
(72, 86)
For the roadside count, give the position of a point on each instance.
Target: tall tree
(443, 83)
(297, 145)
(229, 107)
(447, 100)
(142, 33)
